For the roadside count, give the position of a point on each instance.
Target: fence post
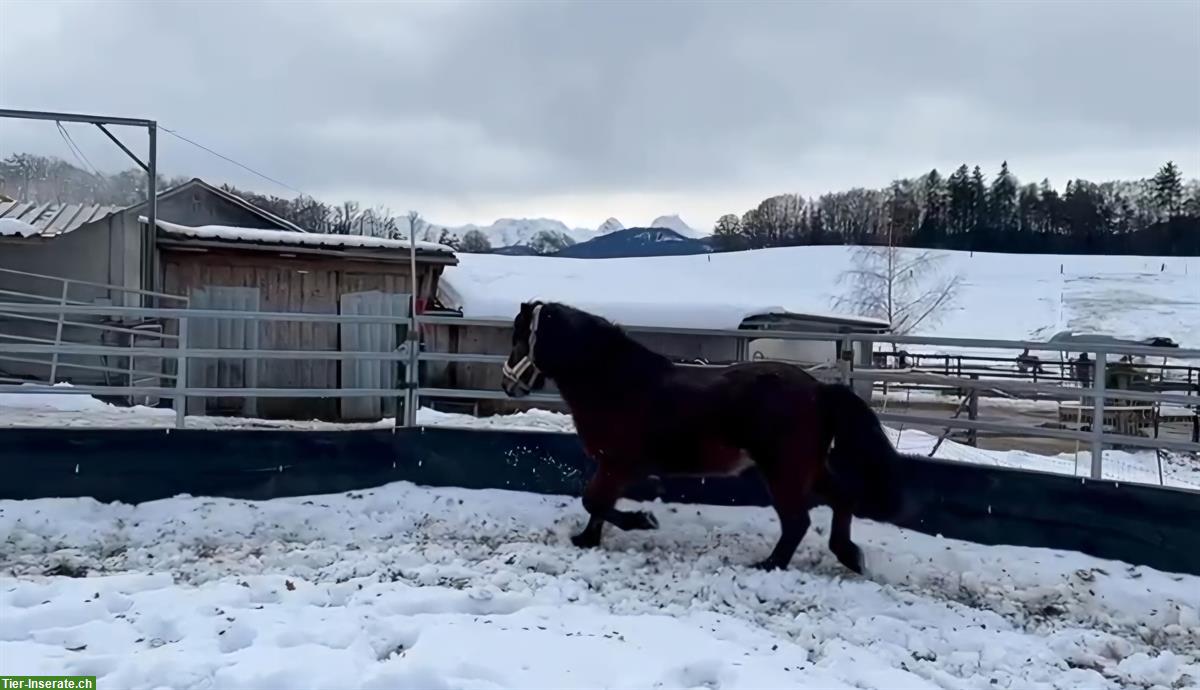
(412, 380)
(1100, 388)
(181, 374)
(58, 331)
(973, 413)
(845, 355)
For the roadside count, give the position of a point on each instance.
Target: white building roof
(226, 233)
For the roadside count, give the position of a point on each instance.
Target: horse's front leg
(600, 500)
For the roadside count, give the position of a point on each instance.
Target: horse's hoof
(585, 541)
(768, 565)
(852, 558)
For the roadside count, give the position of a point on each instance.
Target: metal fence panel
(224, 334)
(370, 337)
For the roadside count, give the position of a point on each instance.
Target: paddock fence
(1166, 383)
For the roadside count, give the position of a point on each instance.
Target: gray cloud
(457, 103)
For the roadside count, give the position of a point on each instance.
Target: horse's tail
(862, 461)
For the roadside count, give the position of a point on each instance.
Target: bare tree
(905, 287)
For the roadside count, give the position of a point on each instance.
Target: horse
(639, 415)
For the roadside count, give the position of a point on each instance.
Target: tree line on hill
(46, 179)
(965, 211)
(1155, 216)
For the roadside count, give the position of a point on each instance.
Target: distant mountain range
(511, 233)
(656, 241)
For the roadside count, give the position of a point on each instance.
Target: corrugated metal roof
(51, 220)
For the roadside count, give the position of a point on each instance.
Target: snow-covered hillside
(1003, 296)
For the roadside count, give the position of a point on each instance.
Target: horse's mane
(604, 339)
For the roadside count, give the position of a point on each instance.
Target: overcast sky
(468, 111)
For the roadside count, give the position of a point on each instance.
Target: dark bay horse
(641, 415)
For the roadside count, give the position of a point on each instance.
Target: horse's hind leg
(847, 552)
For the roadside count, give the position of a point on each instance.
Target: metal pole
(1100, 386)
(58, 330)
(74, 117)
(845, 356)
(412, 397)
(152, 213)
(181, 375)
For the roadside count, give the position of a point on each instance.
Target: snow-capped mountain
(610, 225)
(509, 232)
(512, 232)
(674, 222)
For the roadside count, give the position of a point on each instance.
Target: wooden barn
(246, 269)
(101, 255)
(211, 250)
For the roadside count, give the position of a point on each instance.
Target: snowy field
(1004, 296)
(409, 587)
(404, 587)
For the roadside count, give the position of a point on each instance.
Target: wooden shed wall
(308, 285)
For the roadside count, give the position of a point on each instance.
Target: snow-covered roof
(16, 228)
(226, 233)
(673, 292)
(26, 219)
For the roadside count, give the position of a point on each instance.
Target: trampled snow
(1004, 296)
(405, 587)
(409, 587)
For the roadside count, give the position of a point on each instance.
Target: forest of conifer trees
(1155, 216)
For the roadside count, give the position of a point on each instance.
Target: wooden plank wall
(311, 285)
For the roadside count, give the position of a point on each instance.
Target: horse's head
(521, 374)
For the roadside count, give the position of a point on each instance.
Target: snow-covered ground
(409, 587)
(404, 587)
(1004, 296)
